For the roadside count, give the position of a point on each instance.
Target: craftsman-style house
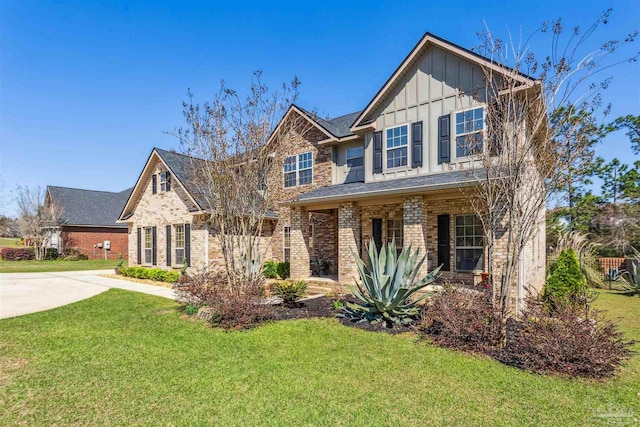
(391, 172)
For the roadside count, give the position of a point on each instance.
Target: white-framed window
(469, 243)
(286, 243)
(179, 243)
(305, 168)
(397, 146)
(355, 157)
(395, 231)
(298, 169)
(148, 245)
(469, 127)
(163, 182)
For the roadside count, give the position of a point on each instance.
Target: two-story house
(391, 172)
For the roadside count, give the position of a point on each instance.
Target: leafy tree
(565, 281)
(632, 124)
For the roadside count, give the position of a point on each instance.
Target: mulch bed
(323, 307)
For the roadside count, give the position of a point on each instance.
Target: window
(469, 127)
(469, 243)
(290, 171)
(298, 170)
(397, 146)
(312, 229)
(305, 168)
(394, 231)
(179, 250)
(148, 245)
(163, 182)
(355, 157)
(286, 243)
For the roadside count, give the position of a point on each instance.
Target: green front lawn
(57, 265)
(123, 358)
(8, 242)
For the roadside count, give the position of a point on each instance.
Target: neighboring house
(89, 221)
(392, 171)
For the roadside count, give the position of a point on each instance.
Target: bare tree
(236, 167)
(37, 220)
(522, 155)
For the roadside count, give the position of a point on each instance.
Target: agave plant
(632, 275)
(389, 286)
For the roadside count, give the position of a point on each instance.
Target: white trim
(454, 135)
(384, 142)
(455, 246)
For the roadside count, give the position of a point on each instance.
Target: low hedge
(17, 254)
(76, 257)
(156, 274)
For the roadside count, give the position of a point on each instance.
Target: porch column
(299, 243)
(415, 228)
(348, 242)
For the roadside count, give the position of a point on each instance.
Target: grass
(8, 242)
(57, 265)
(124, 358)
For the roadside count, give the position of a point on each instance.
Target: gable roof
(178, 165)
(414, 54)
(338, 127)
(89, 207)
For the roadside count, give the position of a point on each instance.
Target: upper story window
(397, 140)
(163, 182)
(298, 169)
(469, 128)
(469, 243)
(355, 157)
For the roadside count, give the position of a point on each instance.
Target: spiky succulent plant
(389, 284)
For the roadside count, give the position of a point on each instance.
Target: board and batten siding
(438, 83)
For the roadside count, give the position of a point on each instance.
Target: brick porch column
(348, 242)
(415, 228)
(299, 242)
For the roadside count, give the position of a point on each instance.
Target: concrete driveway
(24, 293)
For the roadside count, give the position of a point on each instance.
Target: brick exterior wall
(349, 238)
(164, 209)
(86, 240)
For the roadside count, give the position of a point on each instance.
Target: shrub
(233, 308)
(389, 285)
(17, 254)
(270, 269)
(462, 319)
(51, 254)
(77, 257)
(284, 270)
(191, 309)
(157, 274)
(120, 261)
(572, 340)
(290, 291)
(565, 281)
(632, 276)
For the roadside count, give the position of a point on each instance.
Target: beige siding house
(397, 170)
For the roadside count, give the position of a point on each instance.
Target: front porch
(425, 221)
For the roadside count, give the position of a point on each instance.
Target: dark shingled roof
(403, 185)
(89, 207)
(339, 126)
(179, 165)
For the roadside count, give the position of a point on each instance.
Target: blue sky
(88, 88)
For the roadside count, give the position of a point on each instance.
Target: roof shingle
(89, 207)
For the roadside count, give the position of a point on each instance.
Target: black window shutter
(168, 246)
(154, 246)
(154, 184)
(444, 139)
(416, 145)
(444, 242)
(376, 226)
(168, 180)
(377, 152)
(187, 243)
(139, 246)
